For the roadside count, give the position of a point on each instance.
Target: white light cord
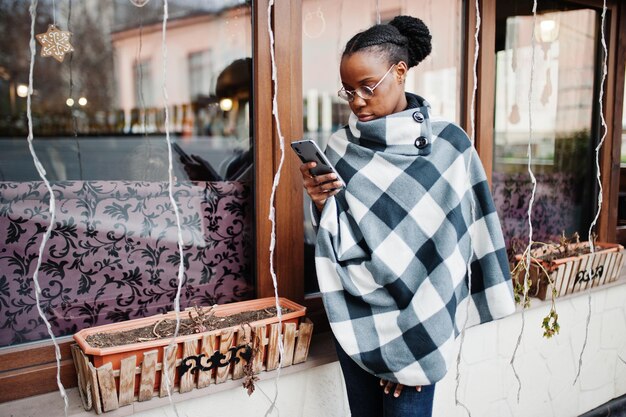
(457, 401)
(530, 204)
(42, 174)
(181, 267)
(272, 214)
(598, 178)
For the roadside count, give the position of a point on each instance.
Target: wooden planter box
(112, 377)
(577, 273)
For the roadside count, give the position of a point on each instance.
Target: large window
(328, 25)
(563, 107)
(99, 130)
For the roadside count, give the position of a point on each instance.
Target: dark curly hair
(405, 38)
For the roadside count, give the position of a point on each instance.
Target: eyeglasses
(364, 91)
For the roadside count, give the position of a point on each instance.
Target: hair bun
(418, 36)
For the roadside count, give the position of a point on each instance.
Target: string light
(52, 205)
(530, 204)
(272, 215)
(598, 178)
(307, 26)
(22, 90)
(181, 259)
(472, 209)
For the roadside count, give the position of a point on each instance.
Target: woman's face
(367, 69)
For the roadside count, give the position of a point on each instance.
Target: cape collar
(408, 132)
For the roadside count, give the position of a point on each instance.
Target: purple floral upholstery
(113, 253)
(554, 209)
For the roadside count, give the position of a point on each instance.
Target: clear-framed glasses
(365, 92)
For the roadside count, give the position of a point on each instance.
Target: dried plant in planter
(550, 322)
(120, 363)
(561, 268)
(201, 319)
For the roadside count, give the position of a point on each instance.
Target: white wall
(547, 368)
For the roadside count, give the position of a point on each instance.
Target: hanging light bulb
(69, 102)
(314, 24)
(548, 29)
(226, 104)
(82, 101)
(22, 90)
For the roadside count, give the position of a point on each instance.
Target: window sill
(322, 351)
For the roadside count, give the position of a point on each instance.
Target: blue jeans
(367, 398)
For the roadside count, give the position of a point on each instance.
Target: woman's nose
(358, 102)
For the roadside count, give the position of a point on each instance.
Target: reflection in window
(143, 84)
(327, 26)
(112, 255)
(562, 107)
(200, 74)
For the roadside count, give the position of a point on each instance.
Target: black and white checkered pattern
(393, 247)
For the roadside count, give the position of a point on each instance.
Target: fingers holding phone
(319, 176)
(319, 187)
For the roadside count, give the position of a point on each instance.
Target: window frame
(21, 366)
(615, 32)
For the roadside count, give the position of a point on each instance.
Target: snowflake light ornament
(55, 43)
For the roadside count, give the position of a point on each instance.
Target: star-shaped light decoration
(139, 3)
(55, 43)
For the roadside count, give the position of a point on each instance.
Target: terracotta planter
(115, 376)
(576, 273)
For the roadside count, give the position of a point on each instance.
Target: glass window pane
(563, 111)
(113, 253)
(327, 26)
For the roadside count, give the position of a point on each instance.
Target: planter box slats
(272, 345)
(578, 273)
(169, 353)
(106, 382)
(212, 357)
(289, 338)
(148, 375)
(209, 345)
(303, 342)
(242, 337)
(258, 346)
(127, 380)
(186, 382)
(226, 342)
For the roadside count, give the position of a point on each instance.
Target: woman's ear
(401, 70)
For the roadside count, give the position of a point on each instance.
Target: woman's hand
(398, 390)
(319, 187)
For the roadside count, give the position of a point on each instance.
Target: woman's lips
(365, 117)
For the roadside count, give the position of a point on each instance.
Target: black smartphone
(197, 168)
(308, 151)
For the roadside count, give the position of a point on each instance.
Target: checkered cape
(393, 247)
